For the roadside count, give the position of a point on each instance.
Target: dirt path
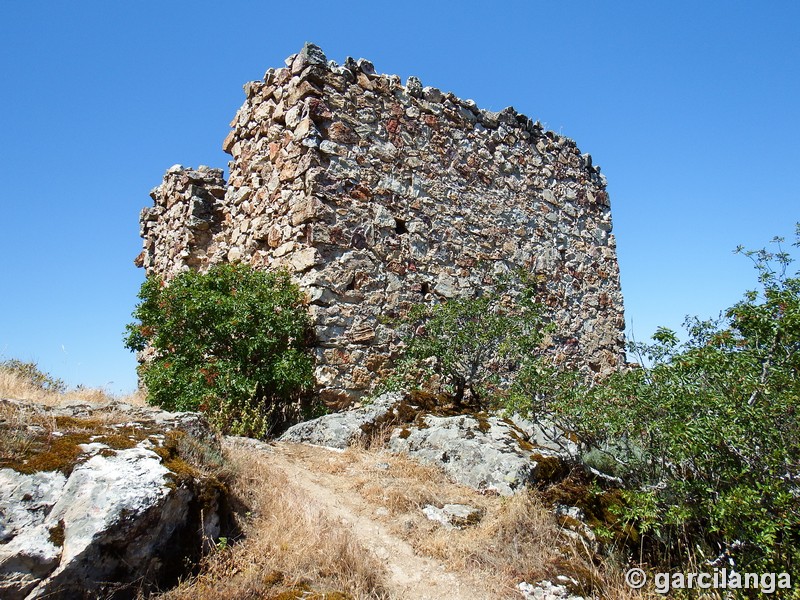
(410, 576)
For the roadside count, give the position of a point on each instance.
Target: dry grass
(16, 441)
(405, 487)
(518, 539)
(15, 386)
(289, 549)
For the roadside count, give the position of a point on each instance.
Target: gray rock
(37, 494)
(366, 66)
(573, 523)
(432, 94)
(124, 415)
(547, 590)
(446, 286)
(27, 554)
(120, 517)
(329, 147)
(453, 516)
(112, 512)
(342, 429)
(414, 87)
(485, 453)
(313, 54)
(545, 434)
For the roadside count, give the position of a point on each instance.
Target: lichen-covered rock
(573, 523)
(545, 434)
(547, 590)
(118, 509)
(138, 417)
(453, 516)
(477, 450)
(27, 553)
(485, 453)
(343, 429)
(378, 196)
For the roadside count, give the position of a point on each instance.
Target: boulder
(103, 503)
(573, 524)
(482, 452)
(545, 434)
(343, 429)
(453, 516)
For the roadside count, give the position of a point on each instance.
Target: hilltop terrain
(300, 520)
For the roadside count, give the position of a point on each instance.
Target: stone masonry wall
(378, 195)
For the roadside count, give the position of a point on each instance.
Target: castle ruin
(378, 196)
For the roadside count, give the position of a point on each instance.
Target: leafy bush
(470, 345)
(33, 375)
(705, 435)
(231, 342)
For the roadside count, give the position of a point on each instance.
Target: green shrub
(231, 342)
(470, 345)
(706, 435)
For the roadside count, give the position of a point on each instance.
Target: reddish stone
(396, 267)
(360, 193)
(318, 110)
(341, 133)
(274, 150)
(227, 144)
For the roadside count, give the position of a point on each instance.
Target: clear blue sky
(691, 109)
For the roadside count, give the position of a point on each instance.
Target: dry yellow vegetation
(320, 524)
(17, 386)
(288, 548)
(328, 524)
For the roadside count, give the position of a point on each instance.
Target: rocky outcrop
(478, 450)
(482, 452)
(346, 428)
(379, 195)
(102, 501)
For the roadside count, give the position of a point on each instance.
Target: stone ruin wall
(378, 195)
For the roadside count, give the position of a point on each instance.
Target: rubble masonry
(378, 196)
